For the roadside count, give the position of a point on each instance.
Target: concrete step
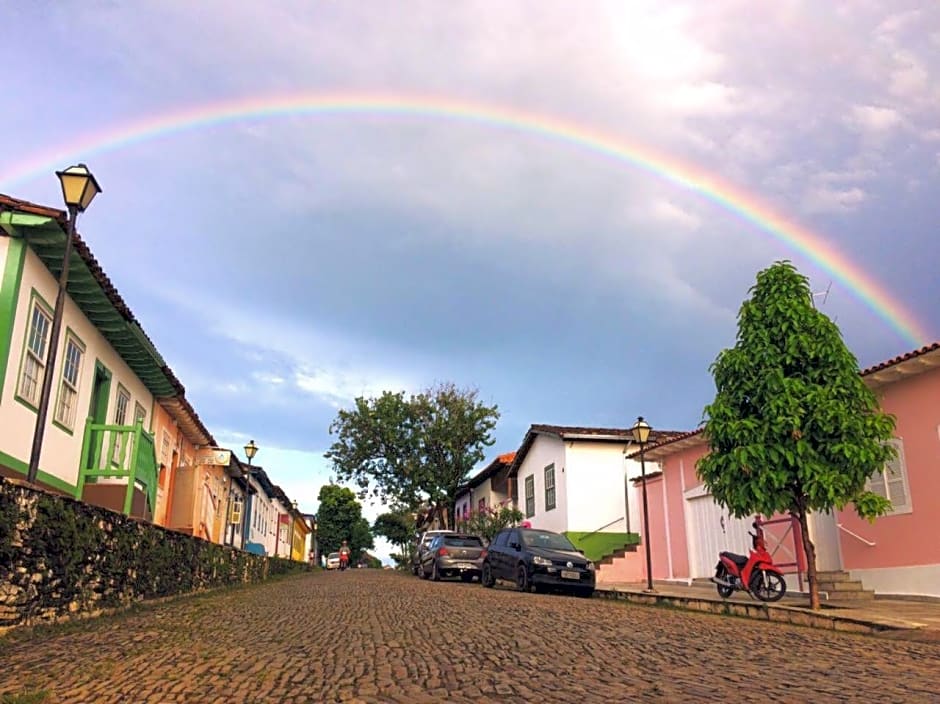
(833, 576)
(840, 586)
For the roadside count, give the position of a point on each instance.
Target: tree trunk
(810, 551)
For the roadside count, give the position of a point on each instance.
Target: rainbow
(742, 204)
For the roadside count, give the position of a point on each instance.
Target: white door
(825, 534)
(712, 530)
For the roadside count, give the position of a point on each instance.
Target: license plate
(565, 574)
(467, 567)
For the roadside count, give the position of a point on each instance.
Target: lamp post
(641, 434)
(250, 451)
(79, 189)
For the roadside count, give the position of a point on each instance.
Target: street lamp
(641, 435)
(250, 451)
(79, 189)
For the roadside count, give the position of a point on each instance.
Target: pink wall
(667, 513)
(910, 538)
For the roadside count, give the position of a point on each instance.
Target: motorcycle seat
(739, 560)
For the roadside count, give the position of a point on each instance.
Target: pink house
(898, 554)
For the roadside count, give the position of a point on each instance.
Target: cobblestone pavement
(376, 636)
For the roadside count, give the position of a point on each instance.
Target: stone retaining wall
(60, 558)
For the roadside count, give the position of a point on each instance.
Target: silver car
(453, 555)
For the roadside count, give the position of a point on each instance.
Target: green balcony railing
(119, 452)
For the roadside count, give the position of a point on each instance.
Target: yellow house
(299, 538)
(108, 376)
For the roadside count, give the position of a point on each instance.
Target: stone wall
(60, 557)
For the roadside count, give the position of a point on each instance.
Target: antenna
(824, 294)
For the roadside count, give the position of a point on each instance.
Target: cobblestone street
(377, 636)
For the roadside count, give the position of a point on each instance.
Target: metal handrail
(869, 543)
(616, 520)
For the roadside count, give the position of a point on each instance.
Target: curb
(792, 615)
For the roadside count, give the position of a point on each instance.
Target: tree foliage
(415, 449)
(339, 518)
(792, 429)
(397, 527)
(488, 521)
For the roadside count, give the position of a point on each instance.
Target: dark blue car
(539, 560)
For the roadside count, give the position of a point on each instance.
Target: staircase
(841, 587)
(622, 565)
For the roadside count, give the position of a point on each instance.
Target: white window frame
(550, 472)
(30, 356)
(68, 387)
(885, 491)
(120, 419)
(140, 413)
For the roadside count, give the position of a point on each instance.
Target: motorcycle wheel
(723, 591)
(768, 586)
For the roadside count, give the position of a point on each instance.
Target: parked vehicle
(332, 561)
(755, 573)
(424, 543)
(453, 554)
(537, 559)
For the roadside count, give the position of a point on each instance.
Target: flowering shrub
(488, 521)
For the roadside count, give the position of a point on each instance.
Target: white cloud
(824, 199)
(875, 118)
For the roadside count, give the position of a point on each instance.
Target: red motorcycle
(756, 573)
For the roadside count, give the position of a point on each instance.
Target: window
(165, 448)
(550, 487)
(481, 505)
(530, 496)
(140, 415)
(500, 539)
(65, 409)
(891, 483)
(34, 357)
(120, 418)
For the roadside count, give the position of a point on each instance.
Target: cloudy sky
(284, 264)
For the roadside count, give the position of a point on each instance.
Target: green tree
(792, 429)
(409, 450)
(339, 518)
(397, 527)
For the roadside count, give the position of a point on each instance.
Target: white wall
(923, 580)
(545, 450)
(595, 477)
(61, 452)
(463, 505)
(4, 247)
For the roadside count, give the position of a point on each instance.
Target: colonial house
(108, 376)
(576, 481)
(178, 433)
(894, 555)
(491, 487)
(203, 494)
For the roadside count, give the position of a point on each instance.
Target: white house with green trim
(578, 481)
(97, 445)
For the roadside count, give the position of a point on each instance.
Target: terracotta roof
(672, 445)
(24, 206)
(114, 297)
(501, 461)
(901, 358)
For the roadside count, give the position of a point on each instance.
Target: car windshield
(334, 555)
(548, 541)
(463, 541)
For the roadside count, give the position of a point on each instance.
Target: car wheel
(435, 575)
(486, 576)
(522, 578)
(421, 573)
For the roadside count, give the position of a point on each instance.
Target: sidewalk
(895, 618)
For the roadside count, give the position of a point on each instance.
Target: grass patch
(597, 546)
